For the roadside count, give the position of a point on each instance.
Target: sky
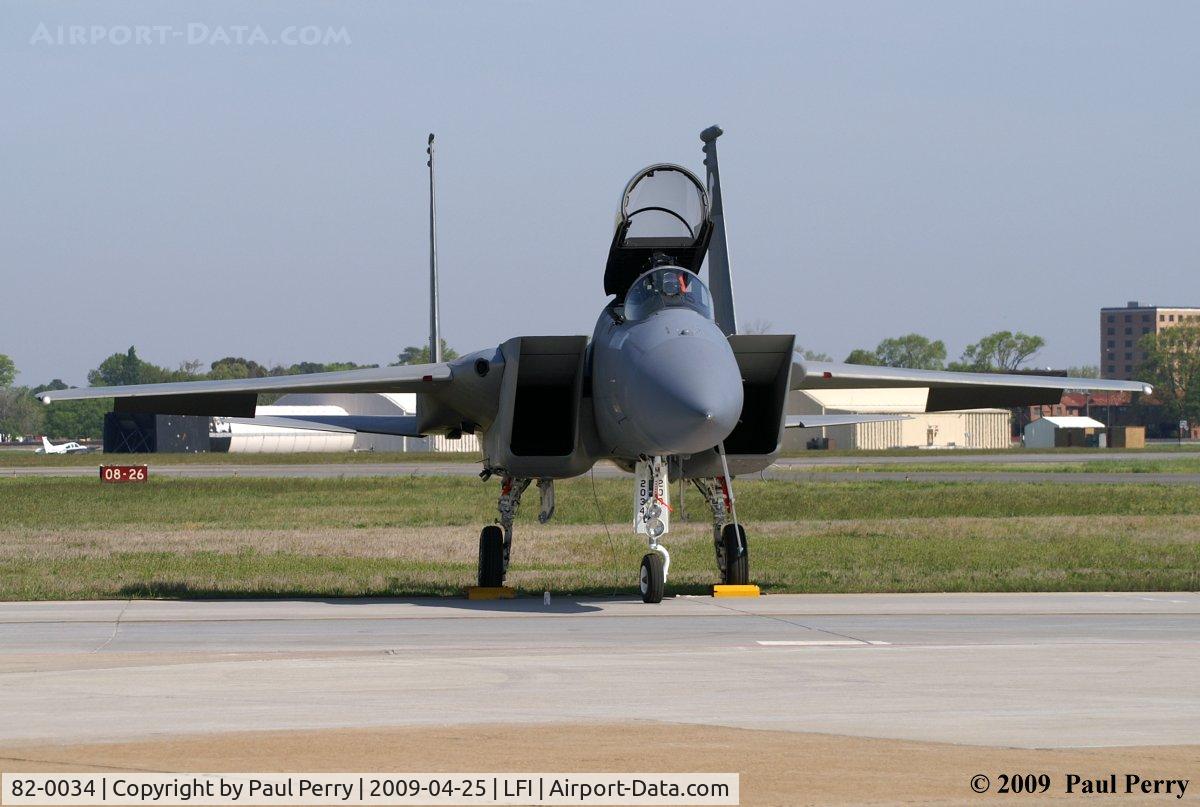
(223, 188)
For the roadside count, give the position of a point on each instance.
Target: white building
(1062, 431)
(385, 404)
(974, 428)
(255, 438)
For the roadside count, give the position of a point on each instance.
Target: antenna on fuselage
(720, 284)
(435, 335)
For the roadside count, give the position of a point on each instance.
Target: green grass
(79, 538)
(1182, 465)
(361, 502)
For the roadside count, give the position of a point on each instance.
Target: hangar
(974, 428)
(236, 436)
(383, 404)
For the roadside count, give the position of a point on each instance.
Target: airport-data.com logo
(193, 33)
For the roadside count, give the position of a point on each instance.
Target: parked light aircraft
(65, 448)
(665, 388)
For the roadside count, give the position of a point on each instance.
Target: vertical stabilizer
(46, 446)
(719, 281)
(435, 334)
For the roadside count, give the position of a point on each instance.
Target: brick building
(1121, 331)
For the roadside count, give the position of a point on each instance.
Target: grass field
(18, 458)
(1180, 465)
(78, 538)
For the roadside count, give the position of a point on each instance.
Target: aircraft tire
(491, 557)
(652, 580)
(737, 555)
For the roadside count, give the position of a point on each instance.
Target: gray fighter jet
(666, 387)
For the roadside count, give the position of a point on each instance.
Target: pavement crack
(116, 627)
(789, 622)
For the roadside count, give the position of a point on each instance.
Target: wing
(954, 390)
(397, 426)
(810, 421)
(237, 397)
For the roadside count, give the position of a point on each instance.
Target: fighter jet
(666, 388)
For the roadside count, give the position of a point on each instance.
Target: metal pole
(435, 335)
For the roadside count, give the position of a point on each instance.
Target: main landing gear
(495, 541)
(729, 537)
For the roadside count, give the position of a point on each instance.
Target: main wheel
(652, 579)
(491, 557)
(737, 555)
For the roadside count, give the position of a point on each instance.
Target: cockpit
(664, 218)
(666, 287)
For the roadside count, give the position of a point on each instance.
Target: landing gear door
(651, 498)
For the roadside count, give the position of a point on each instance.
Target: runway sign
(124, 473)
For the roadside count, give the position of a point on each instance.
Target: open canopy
(664, 210)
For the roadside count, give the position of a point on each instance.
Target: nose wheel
(653, 579)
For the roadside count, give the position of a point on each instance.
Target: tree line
(999, 352)
(21, 414)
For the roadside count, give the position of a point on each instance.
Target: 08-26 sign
(124, 473)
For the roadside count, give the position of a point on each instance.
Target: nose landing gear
(652, 518)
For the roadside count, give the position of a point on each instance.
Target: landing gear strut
(495, 541)
(729, 538)
(652, 518)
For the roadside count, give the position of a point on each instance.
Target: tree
(57, 383)
(128, 368)
(73, 420)
(8, 371)
(1084, 371)
(999, 352)
(20, 413)
(861, 356)
(1173, 366)
(812, 355)
(912, 350)
(420, 355)
(236, 367)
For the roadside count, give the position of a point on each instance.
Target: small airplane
(65, 448)
(665, 388)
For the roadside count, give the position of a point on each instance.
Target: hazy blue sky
(950, 168)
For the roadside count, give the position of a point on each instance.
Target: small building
(1063, 432)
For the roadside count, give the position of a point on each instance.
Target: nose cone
(687, 395)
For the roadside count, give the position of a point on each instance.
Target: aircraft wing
(237, 397)
(810, 421)
(396, 426)
(954, 390)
